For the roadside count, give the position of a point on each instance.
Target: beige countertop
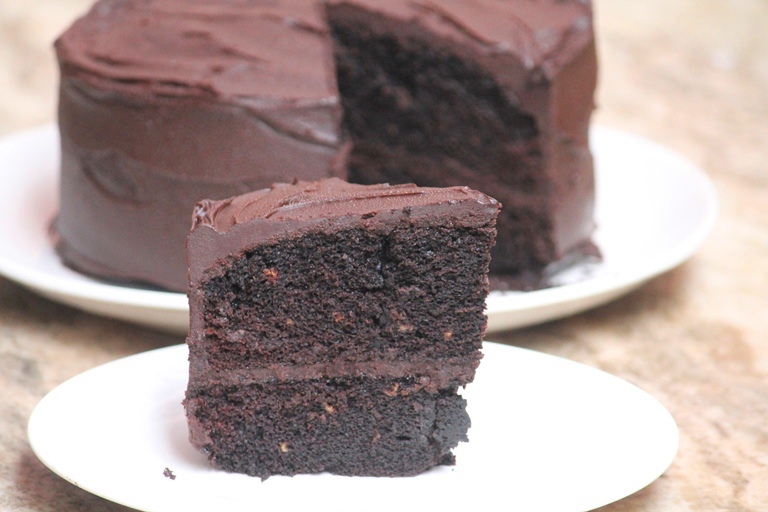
(691, 74)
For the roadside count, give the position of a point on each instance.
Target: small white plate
(654, 209)
(547, 434)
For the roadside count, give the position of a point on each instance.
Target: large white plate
(654, 209)
(547, 434)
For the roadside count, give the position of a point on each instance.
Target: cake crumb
(167, 473)
(284, 447)
(447, 335)
(271, 275)
(393, 390)
(329, 408)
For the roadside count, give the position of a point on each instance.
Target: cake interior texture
(417, 112)
(340, 349)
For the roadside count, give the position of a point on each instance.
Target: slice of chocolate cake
(331, 326)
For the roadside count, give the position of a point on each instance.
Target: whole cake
(332, 324)
(166, 102)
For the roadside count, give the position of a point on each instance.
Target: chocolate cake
(166, 102)
(332, 324)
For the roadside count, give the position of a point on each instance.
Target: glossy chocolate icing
(166, 102)
(269, 58)
(325, 198)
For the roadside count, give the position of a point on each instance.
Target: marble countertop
(691, 74)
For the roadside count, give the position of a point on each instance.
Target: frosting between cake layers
(432, 375)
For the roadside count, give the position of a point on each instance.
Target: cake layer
(346, 426)
(350, 295)
(331, 271)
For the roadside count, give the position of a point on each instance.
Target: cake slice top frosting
(328, 198)
(223, 49)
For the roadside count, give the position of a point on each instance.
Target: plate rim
(661, 465)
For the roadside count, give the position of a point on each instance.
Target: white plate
(654, 209)
(547, 434)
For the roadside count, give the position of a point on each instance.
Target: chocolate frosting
(262, 56)
(435, 375)
(328, 198)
